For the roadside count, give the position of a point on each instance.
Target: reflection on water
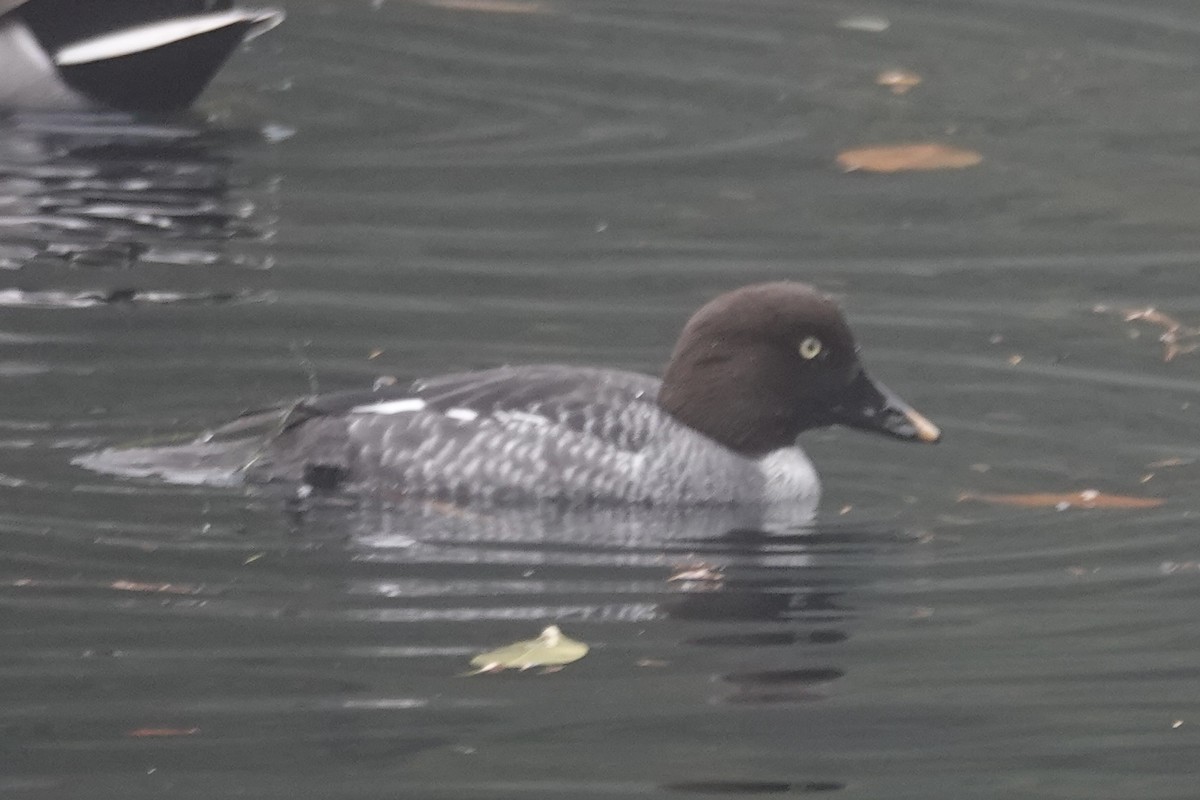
(697, 563)
(389, 606)
(112, 192)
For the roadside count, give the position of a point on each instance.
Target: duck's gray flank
(590, 436)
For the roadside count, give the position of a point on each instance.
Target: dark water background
(473, 184)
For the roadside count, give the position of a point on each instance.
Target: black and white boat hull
(138, 55)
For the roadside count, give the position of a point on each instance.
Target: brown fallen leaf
(491, 6)
(141, 733)
(907, 158)
(1088, 498)
(898, 80)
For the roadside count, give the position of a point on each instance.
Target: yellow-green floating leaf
(551, 649)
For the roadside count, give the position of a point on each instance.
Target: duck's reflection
(766, 595)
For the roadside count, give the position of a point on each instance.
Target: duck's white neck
(790, 477)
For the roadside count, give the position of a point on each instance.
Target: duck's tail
(217, 458)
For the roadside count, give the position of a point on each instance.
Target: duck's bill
(871, 406)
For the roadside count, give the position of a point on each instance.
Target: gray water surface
(404, 188)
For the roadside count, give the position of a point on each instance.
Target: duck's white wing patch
(408, 405)
(523, 417)
(462, 414)
(156, 34)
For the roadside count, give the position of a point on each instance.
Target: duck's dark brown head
(755, 367)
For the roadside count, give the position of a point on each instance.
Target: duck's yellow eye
(810, 348)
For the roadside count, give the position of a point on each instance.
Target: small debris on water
(1171, 462)
(169, 588)
(1088, 499)
(696, 571)
(274, 132)
(915, 157)
(1171, 567)
(865, 23)
(142, 733)
(898, 80)
(1176, 338)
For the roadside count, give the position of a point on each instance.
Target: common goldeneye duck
(133, 55)
(752, 370)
